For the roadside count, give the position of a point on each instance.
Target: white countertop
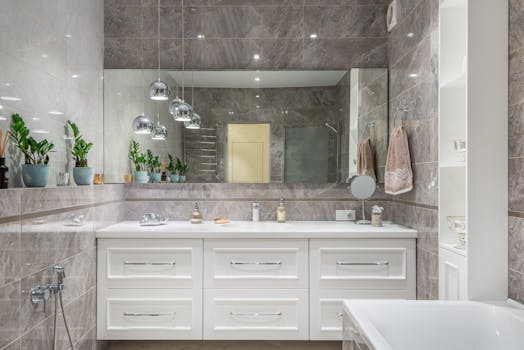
(263, 229)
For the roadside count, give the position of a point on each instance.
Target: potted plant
(35, 170)
(183, 169)
(139, 161)
(173, 176)
(82, 173)
(155, 166)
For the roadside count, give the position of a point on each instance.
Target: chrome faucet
(42, 293)
(255, 212)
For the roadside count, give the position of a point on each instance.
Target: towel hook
(404, 109)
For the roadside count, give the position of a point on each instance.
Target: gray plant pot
(140, 177)
(182, 178)
(35, 175)
(174, 178)
(83, 175)
(155, 177)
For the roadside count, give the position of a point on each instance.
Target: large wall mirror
(264, 126)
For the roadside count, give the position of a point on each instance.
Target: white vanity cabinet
(356, 269)
(245, 281)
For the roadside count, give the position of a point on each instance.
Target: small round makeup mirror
(363, 187)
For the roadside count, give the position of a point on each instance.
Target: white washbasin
(437, 325)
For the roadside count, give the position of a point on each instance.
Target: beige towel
(399, 176)
(365, 164)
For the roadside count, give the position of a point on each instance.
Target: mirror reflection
(254, 126)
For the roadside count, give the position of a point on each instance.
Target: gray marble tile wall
(516, 150)
(349, 33)
(413, 64)
(233, 201)
(51, 59)
(35, 234)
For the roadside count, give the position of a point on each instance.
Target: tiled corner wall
(51, 64)
(350, 33)
(35, 234)
(516, 150)
(413, 64)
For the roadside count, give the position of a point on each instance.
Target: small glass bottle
(196, 215)
(4, 174)
(281, 212)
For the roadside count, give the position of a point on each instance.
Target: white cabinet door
(453, 275)
(256, 314)
(156, 263)
(256, 263)
(362, 264)
(149, 314)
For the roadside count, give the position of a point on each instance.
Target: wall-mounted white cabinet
(473, 172)
(245, 288)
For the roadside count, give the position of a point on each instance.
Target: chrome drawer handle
(146, 263)
(375, 263)
(256, 262)
(149, 314)
(255, 314)
(340, 315)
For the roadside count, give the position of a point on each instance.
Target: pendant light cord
(183, 56)
(142, 56)
(158, 37)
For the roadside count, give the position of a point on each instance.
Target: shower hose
(58, 300)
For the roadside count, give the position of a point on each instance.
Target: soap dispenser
(376, 216)
(196, 215)
(281, 211)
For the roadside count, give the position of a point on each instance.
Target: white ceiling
(268, 79)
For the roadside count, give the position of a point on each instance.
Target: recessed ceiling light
(39, 131)
(201, 36)
(256, 57)
(68, 36)
(35, 118)
(413, 75)
(257, 96)
(257, 78)
(74, 76)
(258, 106)
(313, 36)
(55, 113)
(10, 98)
(411, 35)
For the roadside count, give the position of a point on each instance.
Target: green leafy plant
(138, 158)
(171, 166)
(35, 152)
(80, 148)
(153, 162)
(183, 168)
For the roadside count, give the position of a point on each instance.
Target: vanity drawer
(256, 314)
(256, 263)
(363, 264)
(149, 314)
(327, 306)
(151, 263)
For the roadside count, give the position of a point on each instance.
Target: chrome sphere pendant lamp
(158, 90)
(179, 109)
(142, 124)
(159, 131)
(195, 121)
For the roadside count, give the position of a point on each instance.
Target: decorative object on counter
(399, 175)
(460, 148)
(183, 169)
(363, 187)
(128, 179)
(458, 224)
(376, 216)
(172, 168)
(4, 170)
(82, 173)
(152, 219)
(62, 179)
(281, 211)
(35, 170)
(221, 221)
(98, 179)
(196, 215)
(154, 166)
(255, 215)
(139, 160)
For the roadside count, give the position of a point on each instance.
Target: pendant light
(142, 124)
(179, 109)
(195, 121)
(159, 131)
(158, 90)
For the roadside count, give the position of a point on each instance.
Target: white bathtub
(436, 325)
